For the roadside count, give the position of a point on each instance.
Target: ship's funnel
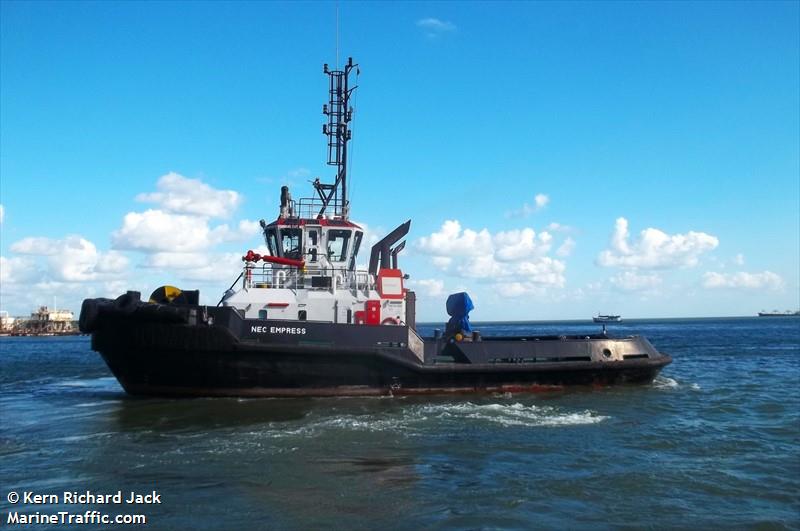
(382, 251)
(395, 252)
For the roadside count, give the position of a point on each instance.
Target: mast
(337, 129)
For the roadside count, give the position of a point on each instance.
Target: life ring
(390, 321)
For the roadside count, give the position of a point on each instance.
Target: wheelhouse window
(272, 241)
(337, 244)
(356, 247)
(291, 243)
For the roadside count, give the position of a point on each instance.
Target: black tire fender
(87, 322)
(125, 304)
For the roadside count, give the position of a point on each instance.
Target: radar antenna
(339, 113)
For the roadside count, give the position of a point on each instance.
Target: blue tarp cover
(458, 307)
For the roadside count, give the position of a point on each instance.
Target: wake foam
(512, 414)
(662, 382)
(417, 419)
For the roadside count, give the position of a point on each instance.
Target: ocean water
(713, 443)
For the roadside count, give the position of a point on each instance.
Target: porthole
(607, 353)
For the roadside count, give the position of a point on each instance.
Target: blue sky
(663, 141)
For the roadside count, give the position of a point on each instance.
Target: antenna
(337, 35)
(339, 113)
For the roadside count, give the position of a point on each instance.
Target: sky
(556, 159)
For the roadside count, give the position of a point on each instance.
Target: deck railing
(309, 207)
(268, 276)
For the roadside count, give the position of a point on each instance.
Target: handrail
(269, 275)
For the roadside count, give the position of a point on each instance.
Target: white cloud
(181, 195)
(442, 262)
(558, 227)
(246, 229)
(539, 202)
(738, 259)
(217, 267)
(543, 271)
(171, 261)
(434, 26)
(655, 249)
(431, 287)
(18, 270)
(79, 261)
(372, 235)
(632, 281)
(156, 230)
(512, 289)
(159, 231)
(742, 280)
(112, 262)
(70, 269)
(518, 244)
(176, 237)
(566, 248)
(35, 246)
(73, 259)
(451, 241)
(181, 224)
(515, 261)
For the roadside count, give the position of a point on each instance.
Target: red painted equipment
(390, 284)
(373, 309)
(255, 257)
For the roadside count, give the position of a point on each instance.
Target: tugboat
(303, 320)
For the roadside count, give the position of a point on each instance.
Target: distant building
(6, 322)
(44, 321)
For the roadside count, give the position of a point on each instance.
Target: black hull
(230, 356)
(275, 373)
(528, 382)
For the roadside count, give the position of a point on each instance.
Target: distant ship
(607, 318)
(776, 313)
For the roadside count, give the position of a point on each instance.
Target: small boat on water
(303, 320)
(599, 318)
(776, 313)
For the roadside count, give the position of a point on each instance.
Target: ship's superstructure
(311, 272)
